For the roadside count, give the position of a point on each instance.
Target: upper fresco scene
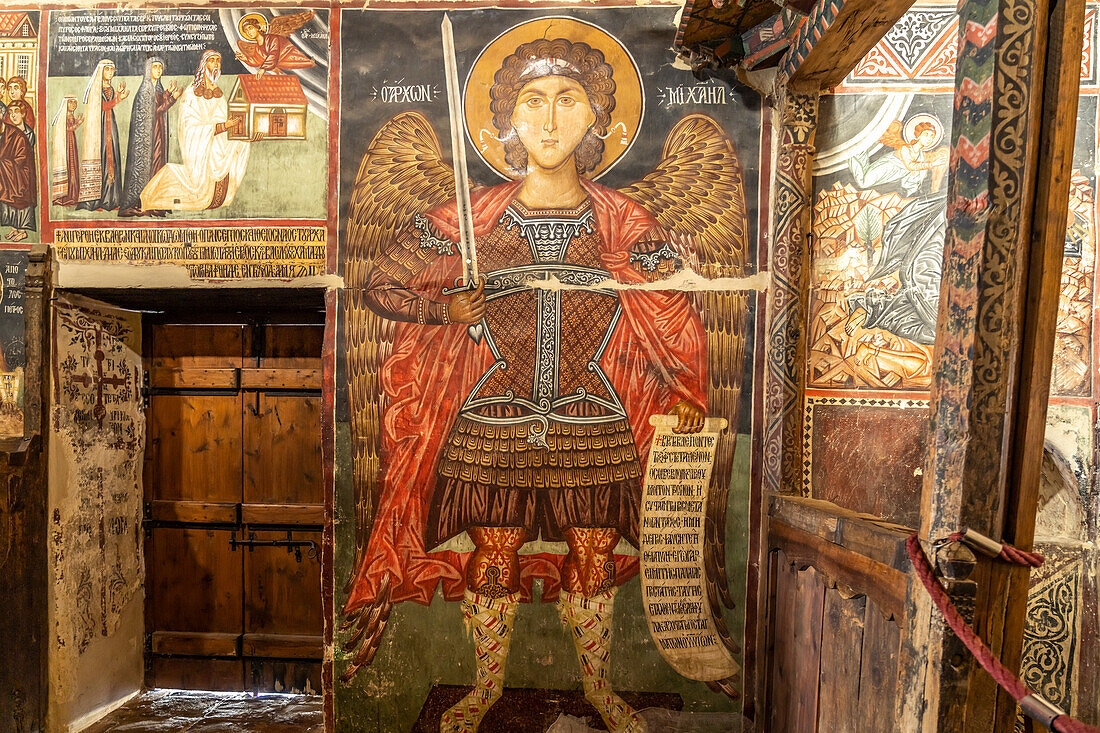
(188, 114)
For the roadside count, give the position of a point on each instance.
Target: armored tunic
(542, 441)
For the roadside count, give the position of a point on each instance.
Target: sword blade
(458, 155)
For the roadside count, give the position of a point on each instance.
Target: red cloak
(655, 358)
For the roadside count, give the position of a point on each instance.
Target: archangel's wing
(402, 174)
(284, 25)
(698, 192)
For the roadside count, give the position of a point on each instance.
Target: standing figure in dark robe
(101, 166)
(147, 151)
(65, 175)
(18, 178)
(17, 89)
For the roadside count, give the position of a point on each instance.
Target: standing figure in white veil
(213, 165)
(101, 164)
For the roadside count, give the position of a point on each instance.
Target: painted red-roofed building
(19, 48)
(273, 104)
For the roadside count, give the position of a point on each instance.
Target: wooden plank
(193, 378)
(856, 28)
(878, 680)
(288, 514)
(782, 660)
(855, 572)
(264, 378)
(282, 646)
(188, 345)
(193, 511)
(196, 441)
(841, 654)
(289, 346)
(881, 541)
(797, 651)
(194, 581)
(195, 643)
(196, 673)
(282, 595)
(283, 450)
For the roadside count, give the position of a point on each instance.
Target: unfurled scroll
(674, 508)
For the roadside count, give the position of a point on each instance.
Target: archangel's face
(156, 70)
(551, 117)
(250, 31)
(927, 138)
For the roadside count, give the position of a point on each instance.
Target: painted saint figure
(18, 175)
(267, 47)
(65, 176)
(101, 162)
(213, 165)
(912, 160)
(538, 432)
(147, 151)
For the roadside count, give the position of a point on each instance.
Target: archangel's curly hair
(580, 62)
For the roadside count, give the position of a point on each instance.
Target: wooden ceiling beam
(835, 37)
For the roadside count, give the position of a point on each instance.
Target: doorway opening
(233, 504)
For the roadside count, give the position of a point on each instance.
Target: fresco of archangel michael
(501, 426)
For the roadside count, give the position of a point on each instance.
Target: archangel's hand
(468, 307)
(691, 417)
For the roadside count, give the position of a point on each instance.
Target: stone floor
(175, 711)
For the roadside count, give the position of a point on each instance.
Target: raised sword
(466, 246)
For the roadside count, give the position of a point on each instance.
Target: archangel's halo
(626, 118)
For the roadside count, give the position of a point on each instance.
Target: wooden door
(234, 507)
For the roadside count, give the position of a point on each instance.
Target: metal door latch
(292, 545)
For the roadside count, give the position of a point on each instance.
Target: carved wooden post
(1006, 225)
(789, 261)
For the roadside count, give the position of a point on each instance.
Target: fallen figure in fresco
(213, 165)
(534, 437)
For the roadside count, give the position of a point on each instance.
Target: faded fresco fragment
(169, 115)
(509, 348)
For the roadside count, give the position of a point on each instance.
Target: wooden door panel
(283, 595)
(186, 345)
(290, 346)
(282, 453)
(195, 581)
(197, 445)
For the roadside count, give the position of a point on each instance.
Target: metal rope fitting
(981, 543)
(1039, 708)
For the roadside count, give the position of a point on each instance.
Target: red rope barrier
(991, 664)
